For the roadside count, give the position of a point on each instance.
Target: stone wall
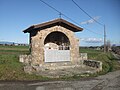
(83, 56)
(81, 64)
(35, 62)
(94, 64)
(26, 59)
(37, 44)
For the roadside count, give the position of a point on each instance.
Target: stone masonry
(37, 44)
(35, 62)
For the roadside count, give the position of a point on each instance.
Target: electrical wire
(60, 13)
(87, 13)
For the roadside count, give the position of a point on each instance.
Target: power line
(78, 23)
(81, 25)
(60, 13)
(95, 21)
(87, 13)
(50, 6)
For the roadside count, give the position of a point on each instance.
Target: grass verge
(110, 63)
(12, 69)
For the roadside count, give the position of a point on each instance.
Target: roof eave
(61, 22)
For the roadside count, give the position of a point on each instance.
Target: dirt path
(110, 81)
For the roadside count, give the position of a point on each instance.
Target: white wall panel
(57, 55)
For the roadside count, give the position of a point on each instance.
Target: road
(110, 81)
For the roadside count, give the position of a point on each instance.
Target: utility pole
(104, 39)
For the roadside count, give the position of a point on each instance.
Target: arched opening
(57, 40)
(56, 47)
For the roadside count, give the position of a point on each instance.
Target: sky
(17, 15)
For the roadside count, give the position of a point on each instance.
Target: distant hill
(5, 42)
(12, 43)
(116, 45)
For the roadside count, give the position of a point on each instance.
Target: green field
(110, 63)
(12, 69)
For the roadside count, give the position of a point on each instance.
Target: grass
(14, 50)
(109, 61)
(91, 53)
(12, 69)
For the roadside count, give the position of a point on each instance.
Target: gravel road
(110, 81)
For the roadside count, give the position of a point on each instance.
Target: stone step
(65, 71)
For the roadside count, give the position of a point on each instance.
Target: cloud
(91, 20)
(92, 40)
